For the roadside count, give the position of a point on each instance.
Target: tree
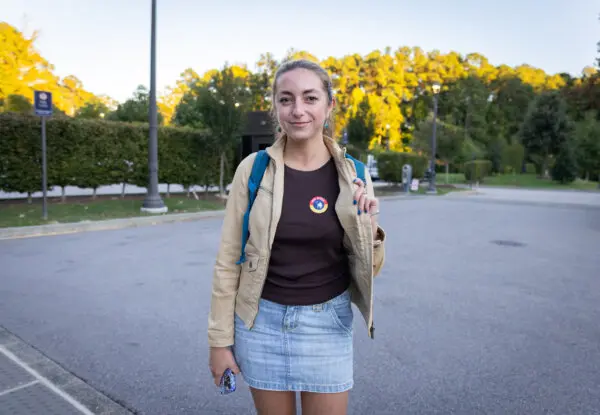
(23, 70)
(565, 168)
(511, 98)
(361, 127)
(545, 128)
(219, 105)
(135, 109)
(16, 103)
(449, 141)
(92, 110)
(587, 141)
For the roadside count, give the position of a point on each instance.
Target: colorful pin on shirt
(318, 204)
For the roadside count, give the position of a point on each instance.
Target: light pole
(153, 202)
(435, 88)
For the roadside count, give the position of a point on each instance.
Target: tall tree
(218, 104)
(587, 139)
(361, 126)
(450, 141)
(545, 128)
(135, 109)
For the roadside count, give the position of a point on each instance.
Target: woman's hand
(366, 205)
(221, 359)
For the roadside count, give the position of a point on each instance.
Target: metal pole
(44, 170)
(432, 188)
(153, 202)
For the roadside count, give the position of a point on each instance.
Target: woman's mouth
(300, 124)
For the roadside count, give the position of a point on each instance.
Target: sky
(106, 43)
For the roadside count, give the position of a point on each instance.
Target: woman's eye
(312, 99)
(283, 100)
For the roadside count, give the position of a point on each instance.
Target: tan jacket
(237, 288)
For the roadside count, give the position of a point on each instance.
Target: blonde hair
(317, 70)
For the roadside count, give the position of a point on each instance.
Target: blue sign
(42, 103)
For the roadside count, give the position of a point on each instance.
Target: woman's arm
(226, 272)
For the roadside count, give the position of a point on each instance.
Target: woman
(314, 247)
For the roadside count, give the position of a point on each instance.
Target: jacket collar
(276, 150)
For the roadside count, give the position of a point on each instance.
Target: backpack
(258, 170)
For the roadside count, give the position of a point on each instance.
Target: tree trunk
(222, 176)
(168, 190)
(29, 198)
(123, 190)
(94, 194)
(63, 194)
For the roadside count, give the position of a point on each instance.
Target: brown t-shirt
(308, 262)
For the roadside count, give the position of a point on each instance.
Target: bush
(530, 168)
(390, 163)
(93, 153)
(565, 168)
(477, 170)
(512, 158)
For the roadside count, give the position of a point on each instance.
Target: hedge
(389, 165)
(93, 153)
(477, 170)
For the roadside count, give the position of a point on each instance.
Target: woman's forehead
(299, 81)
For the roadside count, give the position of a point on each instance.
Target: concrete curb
(113, 224)
(103, 225)
(62, 380)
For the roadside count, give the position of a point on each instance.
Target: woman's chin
(302, 135)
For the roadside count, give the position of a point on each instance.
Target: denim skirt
(298, 348)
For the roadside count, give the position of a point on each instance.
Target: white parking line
(7, 391)
(45, 381)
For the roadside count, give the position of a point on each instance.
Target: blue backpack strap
(258, 170)
(360, 168)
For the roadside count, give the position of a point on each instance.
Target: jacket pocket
(250, 278)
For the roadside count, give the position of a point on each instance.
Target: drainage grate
(508, 243)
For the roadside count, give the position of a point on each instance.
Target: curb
(103, 225)
(138, 221)
(70, 387)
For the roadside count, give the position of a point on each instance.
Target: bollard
(406, 177)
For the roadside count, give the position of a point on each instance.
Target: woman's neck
(307, 154)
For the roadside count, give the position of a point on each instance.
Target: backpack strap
(360, 169)
(258, 170)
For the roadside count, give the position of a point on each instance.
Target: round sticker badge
(318, 204)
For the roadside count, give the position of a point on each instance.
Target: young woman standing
(283, 318)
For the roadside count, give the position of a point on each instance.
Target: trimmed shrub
(93, 153)
(390, 163)
(477, 170)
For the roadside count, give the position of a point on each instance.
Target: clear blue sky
(106, 43)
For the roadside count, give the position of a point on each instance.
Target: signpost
(42, 104)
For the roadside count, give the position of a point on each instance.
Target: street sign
(42, 103)
(414, 185)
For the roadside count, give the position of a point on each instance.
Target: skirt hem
(297, 387)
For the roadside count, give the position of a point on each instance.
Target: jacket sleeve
(226, 273)
(379, 239)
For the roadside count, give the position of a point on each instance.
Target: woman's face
(302, 104)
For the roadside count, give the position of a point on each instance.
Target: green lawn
(530, 181)
(85, 209)
(398, 190)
